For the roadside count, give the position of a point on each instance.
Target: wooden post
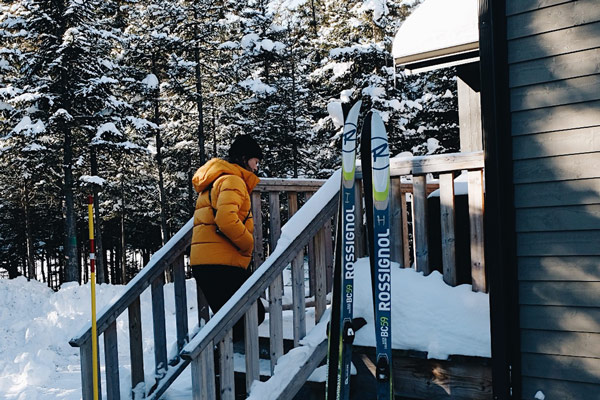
(396, 222)
(158, 324)
(420, 224)
(476, 209)
(447, 221)
(181, 317)
(85, 359)
(251, 345)
(136, 354)
(203, 374)
(259, 252)
(274, 220)
(312, 275)
(111, 359)
(320, 277)
(298, 300)
(227, 385)
(405, 245)
(275, 320)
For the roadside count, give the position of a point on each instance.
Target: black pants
(219, 283)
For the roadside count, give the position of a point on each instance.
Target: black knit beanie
(243, 148)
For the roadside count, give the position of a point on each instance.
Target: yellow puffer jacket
(233, 243)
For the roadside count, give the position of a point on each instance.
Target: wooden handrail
(251, 290)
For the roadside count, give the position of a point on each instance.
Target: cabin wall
(554, 86)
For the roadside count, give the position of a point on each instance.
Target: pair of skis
(376, 184)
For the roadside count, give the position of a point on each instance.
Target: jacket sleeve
(232, 193)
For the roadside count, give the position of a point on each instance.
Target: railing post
(476, 207)
(181, 317)
(405, 245)
(251, 345)
(111, 357)
(85, 358)
(298, 293)
(320, 275)
(259, 252)
(396, 221)
(203, 375)
(420, 224)
(227, 384)
(447, 229)
(136, 353)
(276, 287)
(158, 320)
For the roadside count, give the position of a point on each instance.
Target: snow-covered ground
(37, 362)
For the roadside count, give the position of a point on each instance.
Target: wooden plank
(421, 378)
(420, 225)
(561, 16)
(293, 385)
(476, 212)
(520, 6)
(578, 369)
(557, 389)
(274, 220)
(421, 165)
(181, 316)
(560, 318)
(87, 372)
(553, 43)
(259, 251)
(312, 272)
(557, 93)
(203, 307)
(328, 239)
(559, 268)
(275, 320)
(564, 193)
(203, 375)
(158, 327)
(227, 374)
(574, 141)
(111, 361)
(576, 344)
(288, 184)
(405, 245)
(320, 276)
(565, 218)
(298, 291)
(561, 168)
(575, 243)
(396, 222)
(578, 294)
(447, 221)
(251, 345)
(136, 353)
(469, 116)
(572, 116)
(565, 66)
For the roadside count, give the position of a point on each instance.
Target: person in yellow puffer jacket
(222, 238)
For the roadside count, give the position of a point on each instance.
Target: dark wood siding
(554, 80)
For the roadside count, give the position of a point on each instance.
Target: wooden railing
(172, 256)
(311, 231)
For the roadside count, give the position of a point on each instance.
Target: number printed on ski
(341, 330)
(376, 177)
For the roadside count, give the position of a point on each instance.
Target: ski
(341, 329)
(375, 164)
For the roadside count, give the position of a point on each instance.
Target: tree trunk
(123, 252)
(28, 234)
(199, 99)
(71, 260)
(164, 211)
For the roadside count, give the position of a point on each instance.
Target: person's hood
(217, 167)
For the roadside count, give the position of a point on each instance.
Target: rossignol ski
(375, 162)
(341, 329)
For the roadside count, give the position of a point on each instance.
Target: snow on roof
(437, 28)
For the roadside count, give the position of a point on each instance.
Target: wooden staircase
(309, 231)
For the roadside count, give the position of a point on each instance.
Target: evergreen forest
(125, 99)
